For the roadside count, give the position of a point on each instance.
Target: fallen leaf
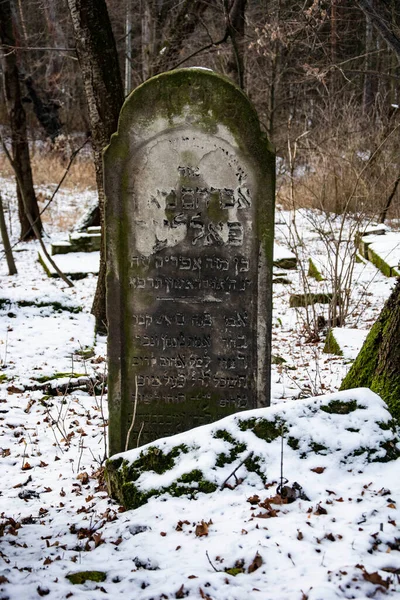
(256, 563)
(83, 477)
(180, 593)
(3, 579)
(179, 525)
(320, 510)
(253, 499)
(43, 464)
(376, 579)
(163, 533)
(202, 529)
(267, 515)
(318, 470)
(26, 466)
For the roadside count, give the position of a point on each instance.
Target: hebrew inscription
(186, 284)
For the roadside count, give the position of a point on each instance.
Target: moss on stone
(82, 576)
(303, 300)
(313, 271)
(340, 407)
(293, 442)
(46, 378)
(237, 448)
(253, 465)
(379, 262)
(265, 430)
(214, 210)
(331, 345)
(121, 484)
(56, 306)
(318, 448)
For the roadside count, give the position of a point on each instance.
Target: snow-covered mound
(323, 435)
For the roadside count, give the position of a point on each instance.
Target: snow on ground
(56, 517)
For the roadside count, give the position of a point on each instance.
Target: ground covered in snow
(338, 540)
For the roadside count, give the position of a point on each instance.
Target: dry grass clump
(49, 163)
(349, 166)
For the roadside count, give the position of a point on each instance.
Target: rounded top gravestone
(189, 181)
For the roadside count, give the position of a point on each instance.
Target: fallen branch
(234, 471)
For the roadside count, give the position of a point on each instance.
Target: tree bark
(235, 23)
(177, 33)
(12, 269)
(17, 117)
(378, 364)
(97, 54)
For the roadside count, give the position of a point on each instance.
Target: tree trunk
(12, 269)
(382, 19)
(97, 54)
(235, 22)
(176, 34)
(378, 364)
(17, 117)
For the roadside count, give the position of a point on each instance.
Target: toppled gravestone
(341, 430)
(189, 181)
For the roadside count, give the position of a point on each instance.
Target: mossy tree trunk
(378, 364)
(97, 54)
(17, 119)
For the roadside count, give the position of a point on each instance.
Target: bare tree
(17, 120)
(97, 54)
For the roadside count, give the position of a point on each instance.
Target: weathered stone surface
(189, 181)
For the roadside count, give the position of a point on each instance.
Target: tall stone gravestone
(189, 180)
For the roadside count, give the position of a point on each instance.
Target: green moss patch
(331, 345)
(56, 306)
(240, 448)
(303, 300)
(265, 430)
(82, 576)
(338, 407)
(313, 271)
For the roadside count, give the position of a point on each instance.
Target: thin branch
(234, 470)
(71, 160)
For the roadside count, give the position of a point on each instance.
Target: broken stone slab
(284, 258)
(344, 341)
(372, 230)
(366, 241)
(339, 427)
(302, 300)
(315, 269)
(385, 254)
(76, 265)
(78, 242)
(63, 247)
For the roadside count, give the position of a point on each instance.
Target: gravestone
(189, 181)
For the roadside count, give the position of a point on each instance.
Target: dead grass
(349, 166)
(48, 167)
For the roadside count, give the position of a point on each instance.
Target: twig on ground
(234, 470)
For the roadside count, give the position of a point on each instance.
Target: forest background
(323, 76)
